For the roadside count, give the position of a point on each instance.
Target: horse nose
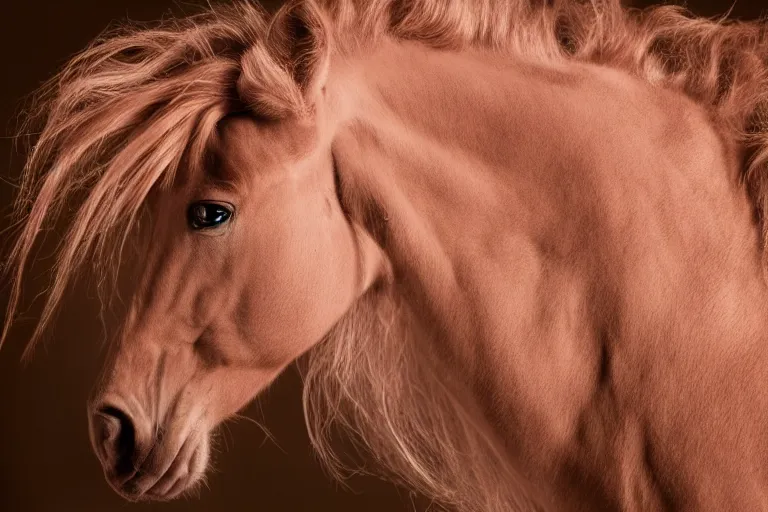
(115, 441)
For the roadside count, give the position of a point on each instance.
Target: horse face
(252, 261)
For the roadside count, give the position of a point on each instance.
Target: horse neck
(568, 233)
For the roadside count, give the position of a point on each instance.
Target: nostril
(116, 440)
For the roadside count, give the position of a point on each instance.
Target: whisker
(268, 435)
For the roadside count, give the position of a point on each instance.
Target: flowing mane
(124, 116)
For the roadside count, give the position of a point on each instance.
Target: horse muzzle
(142, 461)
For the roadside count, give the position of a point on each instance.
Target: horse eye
(203, 215)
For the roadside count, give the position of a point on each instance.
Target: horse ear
(300, 40)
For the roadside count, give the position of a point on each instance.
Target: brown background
(45, 459)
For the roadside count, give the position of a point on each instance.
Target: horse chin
(169, 471)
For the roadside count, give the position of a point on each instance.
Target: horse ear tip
(310, 15)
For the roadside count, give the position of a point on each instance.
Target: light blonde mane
(127, 113)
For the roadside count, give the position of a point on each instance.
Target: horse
(516, 248)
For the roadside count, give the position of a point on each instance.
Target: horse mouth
(163, 478)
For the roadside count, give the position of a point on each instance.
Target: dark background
(46, 462)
